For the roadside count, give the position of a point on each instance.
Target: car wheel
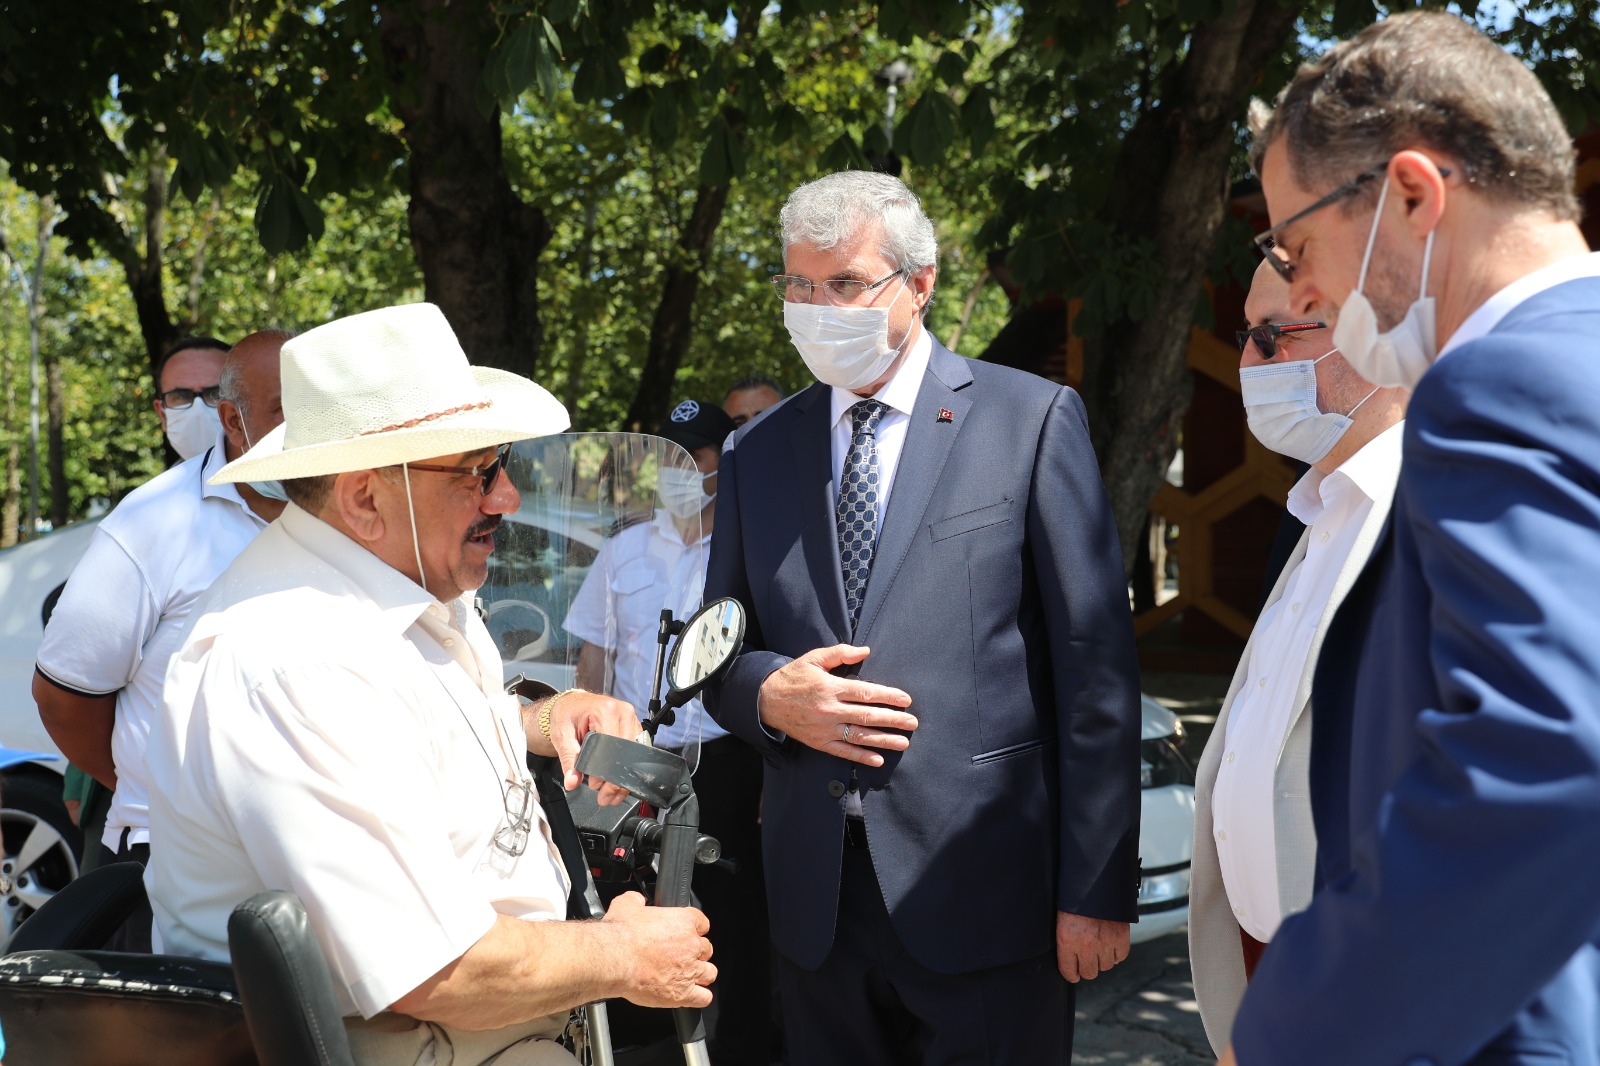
(41, 848)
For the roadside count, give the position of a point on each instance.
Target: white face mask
(846, 347)
(1280, 404)
(193, 429)
(683, 491)
(272, 490)
(1398, 358)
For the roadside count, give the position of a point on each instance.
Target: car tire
(41, 847)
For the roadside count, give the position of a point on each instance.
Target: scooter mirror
(709, 641)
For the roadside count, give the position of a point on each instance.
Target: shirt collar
(1502, 303)
(398, 598)
(666, 527)
(899, 393)
(213, 459)
(1372, 471)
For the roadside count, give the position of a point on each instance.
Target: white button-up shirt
(1333, 506)
(122, 615)
(332, 730)
(639, 571)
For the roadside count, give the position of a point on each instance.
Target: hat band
(412, 423)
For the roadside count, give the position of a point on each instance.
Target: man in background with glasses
(101, 663)
(938, 666)
(1420, 180)
(335, 724)
(1254, 846)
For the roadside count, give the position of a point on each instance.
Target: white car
(41, 843)
(1166, 823)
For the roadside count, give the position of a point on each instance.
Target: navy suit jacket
(1455, 768)
(997, 600)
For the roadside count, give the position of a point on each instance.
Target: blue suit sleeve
(1468, 893)
(1077, 561)
(734, 701)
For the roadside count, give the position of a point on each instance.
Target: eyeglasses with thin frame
(487, 474)
(178, 399)
(512, 837)
(1266, 242)
(797, 290)
(1266, 337)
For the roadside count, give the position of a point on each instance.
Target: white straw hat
(386, 387)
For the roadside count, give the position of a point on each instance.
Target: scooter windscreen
(612, 528)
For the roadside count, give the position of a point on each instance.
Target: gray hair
(1423, 79)
(231, 385)
(309, 493)
(829, 211)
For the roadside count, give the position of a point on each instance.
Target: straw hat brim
(518, 410)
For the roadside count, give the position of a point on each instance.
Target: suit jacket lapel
(811, 437)
(922, 458)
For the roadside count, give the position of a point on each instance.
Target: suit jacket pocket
(1011, 751)
(967, 521)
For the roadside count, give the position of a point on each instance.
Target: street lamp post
(892, 76)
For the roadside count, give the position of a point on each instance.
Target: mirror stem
(659, 714)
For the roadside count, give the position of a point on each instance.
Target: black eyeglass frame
(1266, 241)
(781, 283)
(489, 473)
(210, 396)
(1266, 336)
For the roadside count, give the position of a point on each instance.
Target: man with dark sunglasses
(1255, 848)
(1455, 768)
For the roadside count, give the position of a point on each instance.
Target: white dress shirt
(1333, 507)
(642, 569)
(333, 730)
(122, 615)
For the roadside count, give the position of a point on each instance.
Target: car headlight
(1165, 761)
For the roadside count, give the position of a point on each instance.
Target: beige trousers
(398, 1040)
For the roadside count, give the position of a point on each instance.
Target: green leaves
(723, 158)
(286, 218)
(928, 130)
(528, 54)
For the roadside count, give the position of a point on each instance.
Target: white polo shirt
(642, 569)
(122, 614)
(333, 730)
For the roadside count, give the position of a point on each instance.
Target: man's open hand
(667, 953)
(1087, 947)
(839, 715)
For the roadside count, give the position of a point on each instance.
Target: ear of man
(1418, 187)
(359, 503)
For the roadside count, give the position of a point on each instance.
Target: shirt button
(1221, 835)
(1238, 912)
(1262, 683)
(1228, 757)
(1294, 608)
(1324, 537)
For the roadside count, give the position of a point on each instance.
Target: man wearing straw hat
(335, 724)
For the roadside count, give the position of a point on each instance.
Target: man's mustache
(484, 525)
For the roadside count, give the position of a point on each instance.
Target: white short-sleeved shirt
(642, 569)
(332, 730)
(122, 614)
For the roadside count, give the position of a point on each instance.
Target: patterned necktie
(859, 504)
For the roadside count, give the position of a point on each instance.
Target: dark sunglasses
(1266, 337)
(487, 474)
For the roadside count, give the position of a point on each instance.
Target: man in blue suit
(938, 667)
(1455, 770)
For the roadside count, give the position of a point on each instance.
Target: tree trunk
(1170, 187)
(11, 500)
(57, 445)
(672, 327)
(477, 243)
(144, 269)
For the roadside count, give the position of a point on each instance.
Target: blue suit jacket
(1455, 767)
(997, 600)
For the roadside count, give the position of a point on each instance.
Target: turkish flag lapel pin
(946, 415)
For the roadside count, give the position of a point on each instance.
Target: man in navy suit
(1420, 179)
(938, 667)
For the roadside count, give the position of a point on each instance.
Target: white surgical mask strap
(1372, 236)
(411, 512)
(1427, 260)
(1352, 412)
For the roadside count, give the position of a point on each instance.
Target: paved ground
(1143, 1012)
